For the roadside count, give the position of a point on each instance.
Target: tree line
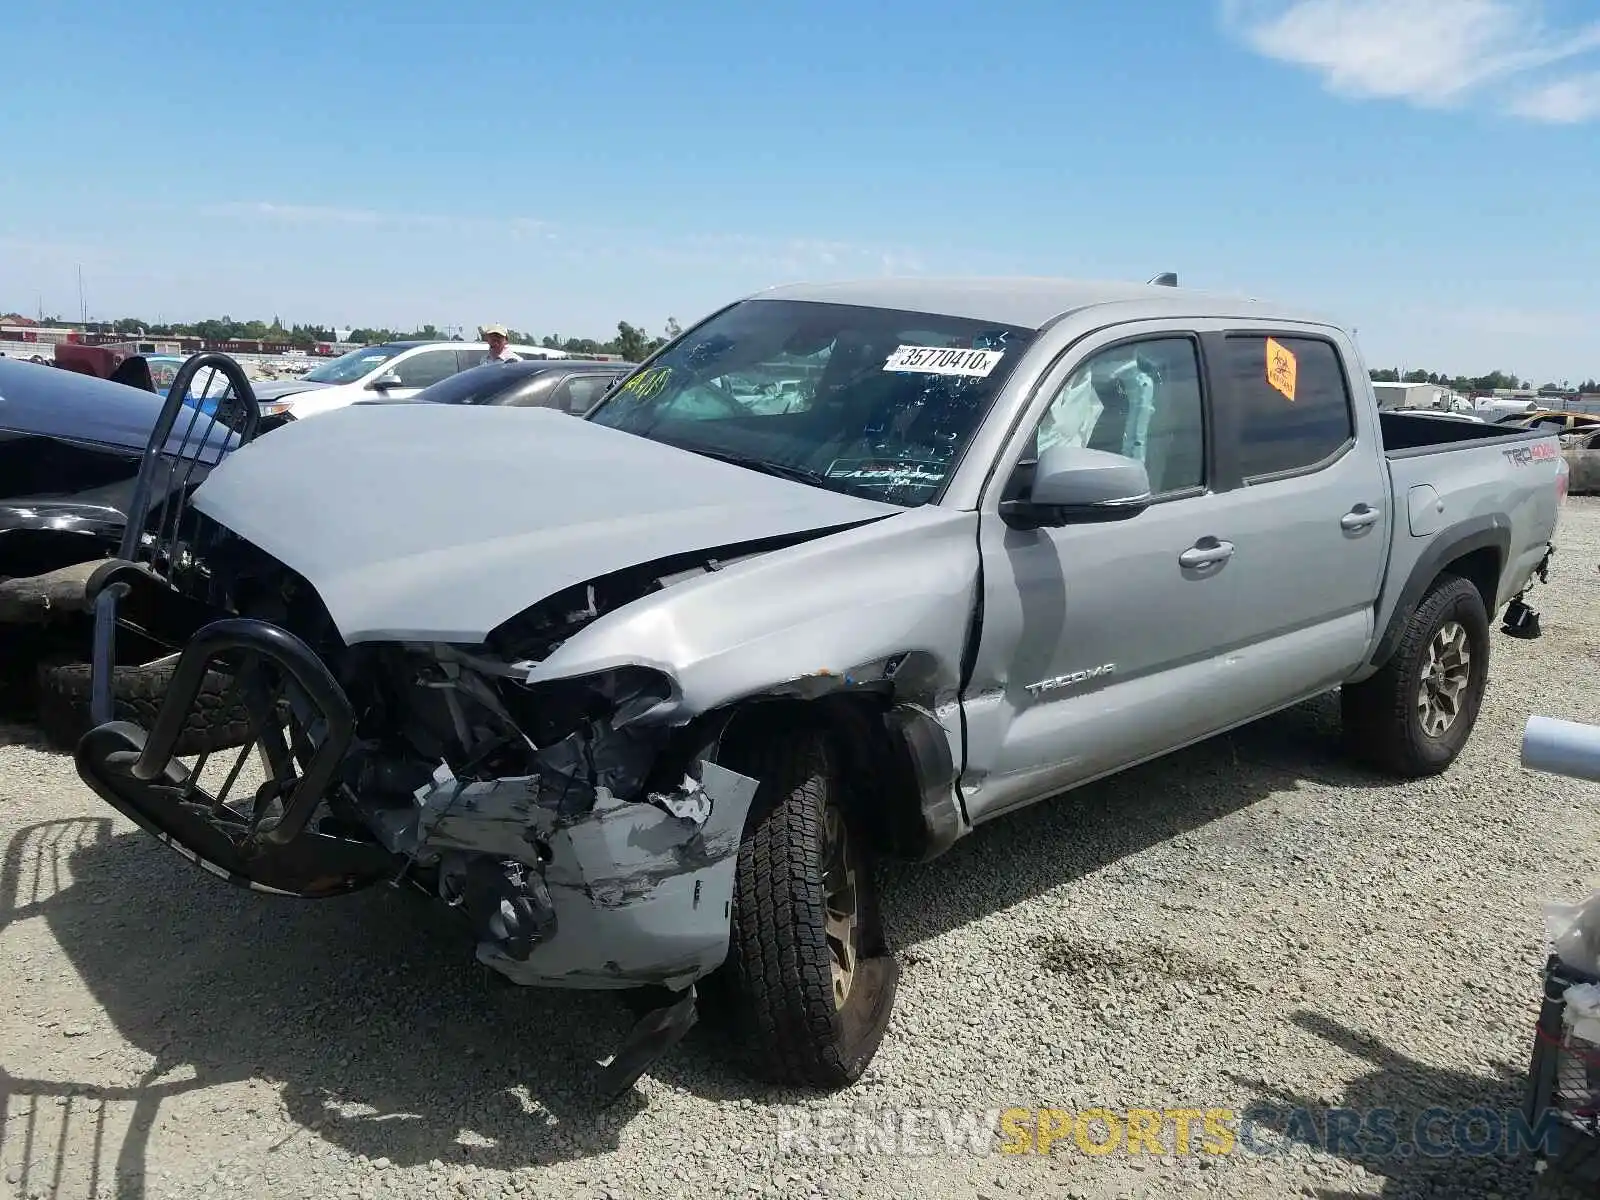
(633, 342)
(1493, 381)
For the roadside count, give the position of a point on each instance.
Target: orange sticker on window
(1282, 369)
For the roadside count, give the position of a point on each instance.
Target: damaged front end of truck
(641, 708)
(583, 841)
(584, 823)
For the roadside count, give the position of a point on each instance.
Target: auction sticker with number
(942, 360)
(887, 472)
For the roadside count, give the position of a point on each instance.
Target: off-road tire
(217, 721)
(1381, 725)
(775, 990)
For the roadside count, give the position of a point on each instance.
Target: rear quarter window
(1292, 413)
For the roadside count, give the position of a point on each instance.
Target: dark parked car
(71, 446)
(572, 385)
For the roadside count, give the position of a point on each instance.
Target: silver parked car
(572, 385)
(843, 572)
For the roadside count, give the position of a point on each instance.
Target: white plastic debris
(689, 803)
(1575, 932)
(1581, 1013)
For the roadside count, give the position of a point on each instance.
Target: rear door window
(1291, 406)
(426, 367)
(579, 393)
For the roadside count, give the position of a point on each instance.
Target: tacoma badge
(1069, 680)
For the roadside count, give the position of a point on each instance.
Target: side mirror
(1074, 484)
(387, 380)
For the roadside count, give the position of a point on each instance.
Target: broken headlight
(555, 709)
(589, 729)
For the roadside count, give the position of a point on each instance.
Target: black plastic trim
(1521, 435)
(920, 736)
(1481, 533)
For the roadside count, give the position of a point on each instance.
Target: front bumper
(637, 896)
(619, 895)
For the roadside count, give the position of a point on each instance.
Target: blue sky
(1425, 170)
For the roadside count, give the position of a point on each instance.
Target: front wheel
(1414, 716)
(809, 983)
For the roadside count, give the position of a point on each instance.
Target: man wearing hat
(499, 348)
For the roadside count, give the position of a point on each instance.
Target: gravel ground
(1249, 923)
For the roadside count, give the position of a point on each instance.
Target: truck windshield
(347, 368)
(870, 401)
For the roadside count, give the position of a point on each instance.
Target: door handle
(1208, 551)
(1359, 517)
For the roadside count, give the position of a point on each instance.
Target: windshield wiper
(781, 470)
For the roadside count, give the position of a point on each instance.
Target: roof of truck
(1030, 302)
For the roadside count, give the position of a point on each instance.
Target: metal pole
(1565, 748)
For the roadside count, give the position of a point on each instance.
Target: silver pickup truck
(841, 573)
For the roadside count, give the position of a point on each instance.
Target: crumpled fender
(894, 596)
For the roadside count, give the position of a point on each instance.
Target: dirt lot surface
(1251, 925)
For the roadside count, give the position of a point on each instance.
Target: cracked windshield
(872, 402)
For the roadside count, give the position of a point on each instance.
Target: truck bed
(1407, 434)
(1463, 488)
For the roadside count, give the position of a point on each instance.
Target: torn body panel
(885, 605)
(572, 865)
(880, 611)
(627, 893)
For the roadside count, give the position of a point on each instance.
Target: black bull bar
(283, 684)
(268, 840)
(301, 725)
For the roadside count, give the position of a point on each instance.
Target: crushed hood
(440, 522)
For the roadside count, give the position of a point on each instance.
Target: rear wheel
(217, 721)
(1414, 716)
(809, 983)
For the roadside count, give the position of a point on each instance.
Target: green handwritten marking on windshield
(647, 383)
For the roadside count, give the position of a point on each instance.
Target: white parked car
(390, 371)
(1440, 413)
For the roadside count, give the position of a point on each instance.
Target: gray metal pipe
(1566, 748)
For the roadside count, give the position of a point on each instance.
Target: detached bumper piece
(1520, 621)
(279, 837)
(658, 1031)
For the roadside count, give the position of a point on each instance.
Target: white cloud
(1432, 53)
(309, 214)
(1564, 102)
(1540, 344)
(1519, 323)
(788, 256)
(323, 215)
